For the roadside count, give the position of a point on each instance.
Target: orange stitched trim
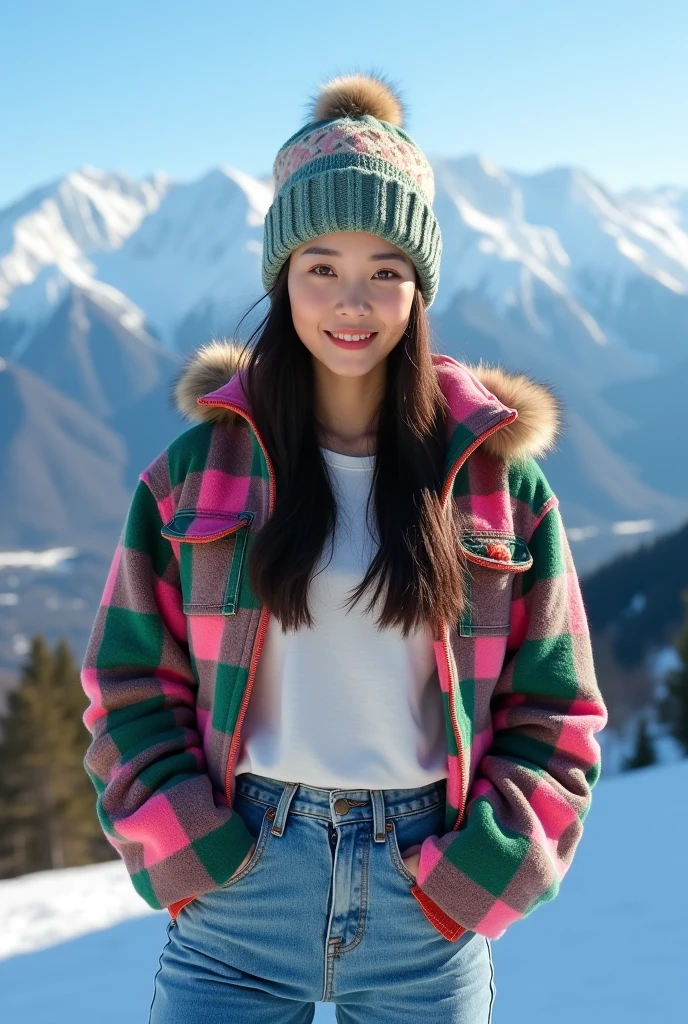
(437, 917)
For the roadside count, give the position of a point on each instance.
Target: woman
(342, 695)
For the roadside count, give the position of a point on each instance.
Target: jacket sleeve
(532, 787)
(156, 804)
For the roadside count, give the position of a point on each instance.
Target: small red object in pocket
(498, 550)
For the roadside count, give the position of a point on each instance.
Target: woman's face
(350, 283)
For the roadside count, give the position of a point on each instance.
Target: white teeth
(351, 337)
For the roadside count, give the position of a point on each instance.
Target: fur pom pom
(356, 95)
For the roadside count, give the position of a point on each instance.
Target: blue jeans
(323, 912)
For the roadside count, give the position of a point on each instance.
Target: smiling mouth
(351, 336)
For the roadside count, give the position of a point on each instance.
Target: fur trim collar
(533, 433)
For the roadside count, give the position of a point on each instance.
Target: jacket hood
(534, 431)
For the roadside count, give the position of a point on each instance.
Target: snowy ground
(79, 943)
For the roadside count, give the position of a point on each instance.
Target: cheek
(306, 304)
(395, 307)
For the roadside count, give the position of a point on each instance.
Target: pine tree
(81, 836)
(26, 835)
(675, 707)
(47, 803)
(644, 753)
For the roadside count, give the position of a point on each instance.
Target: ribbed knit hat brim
(345, 192)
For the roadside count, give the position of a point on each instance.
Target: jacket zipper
(265, 614)
(257, 648)
(442, 625)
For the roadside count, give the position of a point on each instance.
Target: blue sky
(183, 87)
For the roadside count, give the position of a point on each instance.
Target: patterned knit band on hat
(354, 168)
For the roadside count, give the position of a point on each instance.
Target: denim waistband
(339, 806)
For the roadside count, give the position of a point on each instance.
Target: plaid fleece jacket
(173, 650)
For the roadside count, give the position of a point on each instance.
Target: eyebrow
(318, 250)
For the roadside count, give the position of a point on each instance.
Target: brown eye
(386, 271)
(320, 266)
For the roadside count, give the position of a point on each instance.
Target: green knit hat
(354, 168)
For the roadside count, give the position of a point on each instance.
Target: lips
(346, 336)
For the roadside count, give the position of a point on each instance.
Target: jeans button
(341, 805)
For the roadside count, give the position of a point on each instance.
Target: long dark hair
(419, 555)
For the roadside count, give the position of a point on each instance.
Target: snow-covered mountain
(165, 254)
(47, 239)
(610, 949)
(176, 249)
(106, 282)
(560, 256)
(504, 232)
(196, 258)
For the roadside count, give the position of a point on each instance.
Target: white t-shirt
(345, 705)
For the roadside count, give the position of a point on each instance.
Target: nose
(352, 300)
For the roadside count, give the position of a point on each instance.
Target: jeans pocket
(395, 856)
(410, 830)
(261, 843)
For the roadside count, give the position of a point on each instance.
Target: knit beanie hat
(354, 168)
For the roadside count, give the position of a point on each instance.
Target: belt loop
(378, 801)
(283, 807)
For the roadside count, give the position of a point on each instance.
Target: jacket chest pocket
(212, 558)
(493, 559)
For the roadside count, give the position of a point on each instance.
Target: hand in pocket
(244, 862)
(411, 859)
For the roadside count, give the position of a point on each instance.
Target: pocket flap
(494, 550)
(199, 525)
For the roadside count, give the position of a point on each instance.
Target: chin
(352, 364)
